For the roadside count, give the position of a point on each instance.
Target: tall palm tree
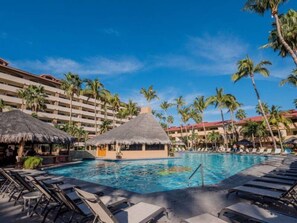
(291, 79)
(35, 98)
(265, 108)
(105, 97)
(220, 101)
(232, 106)
(278, 118)
(93, 89)
(149, 94)
(131, 108)
(197, 118)
(71, 84)
(201, 104)
(170, 120)
(185, 117)
(22, 94)
(260, 7)
(289, 32)
(165, 106)
(246, 68)
(180, 102)
(250, 130)
(122, 113)
(240, 114)
(115, 104)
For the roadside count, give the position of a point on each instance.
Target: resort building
(141, 137)
(176, 133)
(57, 103)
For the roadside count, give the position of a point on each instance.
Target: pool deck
(180, 204)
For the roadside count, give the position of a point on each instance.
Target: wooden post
(51, 148)
(21, 149)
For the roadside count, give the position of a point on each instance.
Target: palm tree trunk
(233, 128)
(253, 138)
(113, 119)
(95, 108)
(280, 139)
(224, 128)
(260, 141)
(204, 129)
(262, 110)
(23, 104)
(70, 117)
(282, 40)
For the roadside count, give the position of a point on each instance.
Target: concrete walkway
(180, 204)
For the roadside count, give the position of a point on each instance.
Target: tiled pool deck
(180, 204)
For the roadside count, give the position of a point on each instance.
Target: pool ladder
(201, 173)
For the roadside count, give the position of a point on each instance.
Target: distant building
(57, 102)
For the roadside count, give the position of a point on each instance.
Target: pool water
(148, 176)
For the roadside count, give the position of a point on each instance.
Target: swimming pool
(147, 176)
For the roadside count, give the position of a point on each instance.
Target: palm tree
(170, 120)
(201, 104)
(105, 97)
(93, 89)
(291, 79)
(122, 113)
(260, 7)
(165, 106)
(105, 126)
(278, 118)
(265, 107)
(180, 102)
(197, 118)
(232, 106)
(250, 130)
(246, 68)
(149, 94)
(220, 101)
(214, 138)
(240, 114)
(71, 86)
(185, 117)
(289, 32)
(115, 104)
(35, 98)
(22, 94)
(131, 108)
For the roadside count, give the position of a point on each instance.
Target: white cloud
(216, 55)
(91, 66)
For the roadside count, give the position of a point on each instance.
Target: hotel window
(155, 147)
(135, 147)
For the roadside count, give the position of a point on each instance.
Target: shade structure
(17, 127)
(244, 142)
(143, 129)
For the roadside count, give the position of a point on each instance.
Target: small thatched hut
(141, 137)
(18, 128)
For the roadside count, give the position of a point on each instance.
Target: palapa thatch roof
(143, 129)
(16, 126)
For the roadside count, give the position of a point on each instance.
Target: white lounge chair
(268, 151)
(138, 213)
(277, 151)
(254, 213)
(254, 151)
(261, 151)
(204, 218)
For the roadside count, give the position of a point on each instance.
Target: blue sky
(180, 47)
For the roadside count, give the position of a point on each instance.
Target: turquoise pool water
(147, 176)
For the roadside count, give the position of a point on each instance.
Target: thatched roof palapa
(143, 129)
(16, 126)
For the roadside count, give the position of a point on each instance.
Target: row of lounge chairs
(277, 188)
(260, 151)
(59, 199)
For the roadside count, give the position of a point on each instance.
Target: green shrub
(32, 162)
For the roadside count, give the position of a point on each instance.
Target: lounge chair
(228, 150)
(277, 151)
(204, 218)
(253, 213)
(274, 186)
(261, 151)
(254, 151)
(275, 180)
(138, 213)
(268, 151)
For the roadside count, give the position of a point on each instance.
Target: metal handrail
(201, 173)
